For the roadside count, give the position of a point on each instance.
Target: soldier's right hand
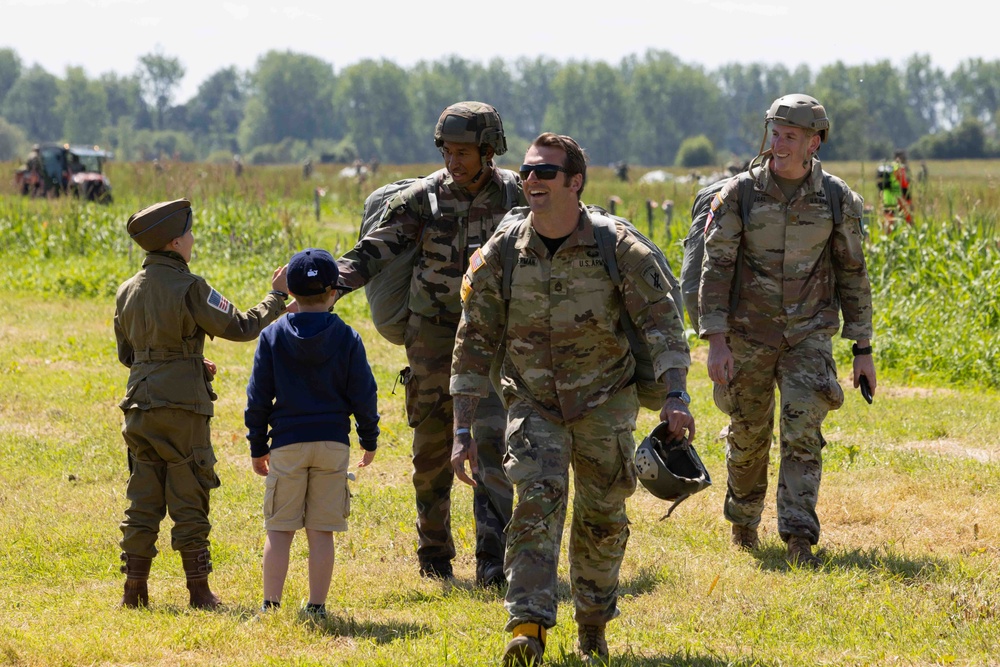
(464, 449)
(261, 464)
(720, 359)
(278, 280)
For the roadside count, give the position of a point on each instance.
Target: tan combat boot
(527, 646)
(800, 553)
(136, 570)
(593, 644)
(745, 537)
(197, 566)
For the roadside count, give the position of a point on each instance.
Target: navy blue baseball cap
(311, 271)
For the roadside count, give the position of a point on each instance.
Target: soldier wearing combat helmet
(162, 315)
(797, 264)
(447, 216)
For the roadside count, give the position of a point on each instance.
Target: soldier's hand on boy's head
(210, 368)
(366, 460)
(278, 280)
(261, 464)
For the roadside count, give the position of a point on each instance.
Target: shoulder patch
(654, 279)
(476, 262)
(217, 301)
(717, 201)
(466, 288)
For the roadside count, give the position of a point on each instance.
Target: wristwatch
(683, 395)
(860, 351)
(278, 293)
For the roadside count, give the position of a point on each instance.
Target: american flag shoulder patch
(476, 261)
(217, 301)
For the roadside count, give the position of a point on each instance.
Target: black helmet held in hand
(670, 469)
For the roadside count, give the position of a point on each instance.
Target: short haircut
(576, 158)
(312, 299)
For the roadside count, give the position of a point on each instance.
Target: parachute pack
(694, 242)
(883, 177)
(388, 292)
(652, 394)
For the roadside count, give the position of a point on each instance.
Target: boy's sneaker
(593, 644)
(436, 569)
(269, 605)
(527, 646)
(316, 611)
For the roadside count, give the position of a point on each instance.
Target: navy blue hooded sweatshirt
(310, 374)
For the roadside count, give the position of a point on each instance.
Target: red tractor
(52, 170)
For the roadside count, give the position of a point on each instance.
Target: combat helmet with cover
(471, 123)
(800, 110)
(670, 468)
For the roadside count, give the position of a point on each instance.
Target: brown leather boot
(197, 566)
(593, 644)
(745, 537)
(800, 553)
(136, 570)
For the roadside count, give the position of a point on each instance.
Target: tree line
(651, 109)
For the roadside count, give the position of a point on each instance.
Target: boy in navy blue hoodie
(310, 375)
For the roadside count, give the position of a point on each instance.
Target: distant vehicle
(53, 169)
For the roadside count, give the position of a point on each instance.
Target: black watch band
(860, 351)
(683, 395)
(278, 293)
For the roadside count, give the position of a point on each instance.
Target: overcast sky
(111, 35)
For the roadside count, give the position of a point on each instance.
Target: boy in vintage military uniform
(162, 315)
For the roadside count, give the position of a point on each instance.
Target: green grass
(911, 535)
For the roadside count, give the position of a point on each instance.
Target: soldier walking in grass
(470, 196)
(162, 315)
(568, 382)
(794, 266)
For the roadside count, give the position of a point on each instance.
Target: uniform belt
(142, 356)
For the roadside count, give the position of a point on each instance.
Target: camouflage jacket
(162, 315)
(799, 269)
(446, 242)
(566, 352)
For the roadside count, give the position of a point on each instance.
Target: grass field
(911, 532)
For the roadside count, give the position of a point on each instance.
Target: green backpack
(652, 394)
(388, 292)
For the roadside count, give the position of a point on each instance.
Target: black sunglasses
(545, 172)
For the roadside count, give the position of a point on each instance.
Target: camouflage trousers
(600, 449)
(429, 347)
(806, 378)
(172, 469)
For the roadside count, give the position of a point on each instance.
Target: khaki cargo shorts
(307, 487)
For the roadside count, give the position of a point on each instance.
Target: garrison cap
(157, 225)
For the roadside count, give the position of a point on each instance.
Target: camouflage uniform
(799, 272)
(162, 316)
(446, 242)
(566, 380)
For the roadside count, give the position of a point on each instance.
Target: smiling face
(463, 162)
(553, 196)
(791, 148)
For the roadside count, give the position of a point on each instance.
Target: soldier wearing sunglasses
(567, 381)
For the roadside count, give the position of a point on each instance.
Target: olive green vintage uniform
(801, 270)
(162, 315)
(445, 244)
(567, 379)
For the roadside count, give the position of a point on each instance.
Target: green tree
(160, 75)
(10, 70)
(532, 96)
(434, 86)
(83, 106)
(291, 96)
(214, 114)
(372, 97)
(31, 104)
(13, 143)
(600, 124)
(696, 152)
(125, 100)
